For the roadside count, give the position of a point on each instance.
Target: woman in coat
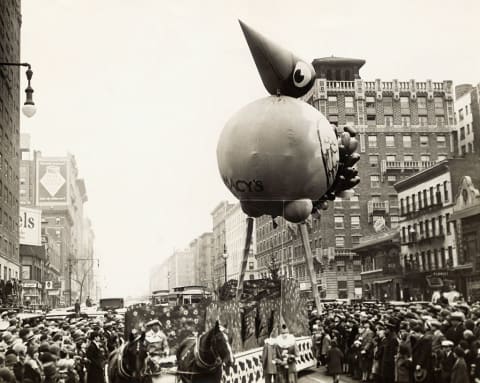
(334, 361)
(268, 359)
(459, 371)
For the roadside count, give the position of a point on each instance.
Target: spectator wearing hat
(96, 360)
(157, 345)
(403, 365)
(326, 344)
(335, 359)
(268, 358)
(456, 329)
(33, 371)
(389, 351)
(459, 371)
(7, 376)
(447, 360)
(421, 354)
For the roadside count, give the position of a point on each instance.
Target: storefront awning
(33, 251)
(382, 281)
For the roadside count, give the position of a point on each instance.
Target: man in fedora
(421, 354)
(389, 351)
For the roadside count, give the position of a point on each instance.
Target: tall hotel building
(403, 127)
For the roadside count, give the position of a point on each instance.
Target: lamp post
(28, 108)
(225, 256)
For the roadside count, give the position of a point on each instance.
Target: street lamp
(225, 256)
(28, 108)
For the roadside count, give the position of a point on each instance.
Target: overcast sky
(139, 90)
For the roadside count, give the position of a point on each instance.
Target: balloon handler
(157, 348)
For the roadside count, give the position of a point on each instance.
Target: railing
(376, 206)
(406, 165)
(344, 253)
(340, 85)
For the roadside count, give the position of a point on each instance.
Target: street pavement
(318, 375)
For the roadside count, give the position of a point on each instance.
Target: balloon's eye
(302, 74)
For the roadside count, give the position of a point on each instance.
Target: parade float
(280, 157)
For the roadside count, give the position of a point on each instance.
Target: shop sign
(53, 293)
(29, 284)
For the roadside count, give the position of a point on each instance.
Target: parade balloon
(277, 150)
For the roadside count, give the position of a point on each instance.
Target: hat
(467, 334)
(457, 315)
(459, 352)
(11, 360)
(49, 369)
(6, 375)
(447, 343)
(153, 322)
(435, 322)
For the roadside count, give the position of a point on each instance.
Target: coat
(403, 369)
(96, 365)
(446, 366)
(459, 372)
(334, 361)
(268, 358)
(388, 358)
(422, 356)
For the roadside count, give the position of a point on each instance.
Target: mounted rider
(157, 346)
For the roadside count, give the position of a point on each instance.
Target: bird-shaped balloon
(279, 155)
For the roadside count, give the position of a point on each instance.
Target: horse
(200, 359)
(126, 364)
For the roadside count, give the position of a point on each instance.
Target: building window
(373, 160)
(339, 222)
(460, 115)
(438, 105)
(250, 266)
(406, 121)
(462, 133)
(422, 121)
(441, 157)
(405, 105)
(371, 121)
(374, 181)
(339, 241)
(388, 121)
(355, 241)
(463, 149)
(422, 105)
(423, 140)
(390, 141)
(348, 102)
(391, 157)
(350, 120)
(440, 121)
(394, 221)
(355, 222)
(425, 158)
(407, 158)
(407, 141)
(441, 142)
(447, 223)
(391, 180)
(372, 141)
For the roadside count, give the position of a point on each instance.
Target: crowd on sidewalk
(414, 343)
(67, 351)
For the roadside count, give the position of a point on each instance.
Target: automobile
(60, 314)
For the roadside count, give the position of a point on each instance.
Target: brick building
(403, 126)
(10, 23)
(431, 253)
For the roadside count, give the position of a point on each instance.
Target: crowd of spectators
(406, 343)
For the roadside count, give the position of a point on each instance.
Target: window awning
(382, 281)
(33, 251)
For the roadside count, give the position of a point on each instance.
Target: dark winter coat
(460, 372)
(334, 361)
(96, 365)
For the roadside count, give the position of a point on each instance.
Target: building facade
(430, 254)
(466, 220)
(403, 127)
(219, 215)
(466, 135)
(382, 276)
(10, 23)
(52, 185)
(235, 235)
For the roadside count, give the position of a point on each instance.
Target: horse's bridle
(198, 359)
(123, 372)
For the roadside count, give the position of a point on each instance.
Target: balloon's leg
(246, 253)
(310, 268)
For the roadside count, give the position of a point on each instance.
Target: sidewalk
(318, 375)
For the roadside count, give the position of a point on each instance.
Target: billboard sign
(52, 182)
(30, 226)
(26, 272)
